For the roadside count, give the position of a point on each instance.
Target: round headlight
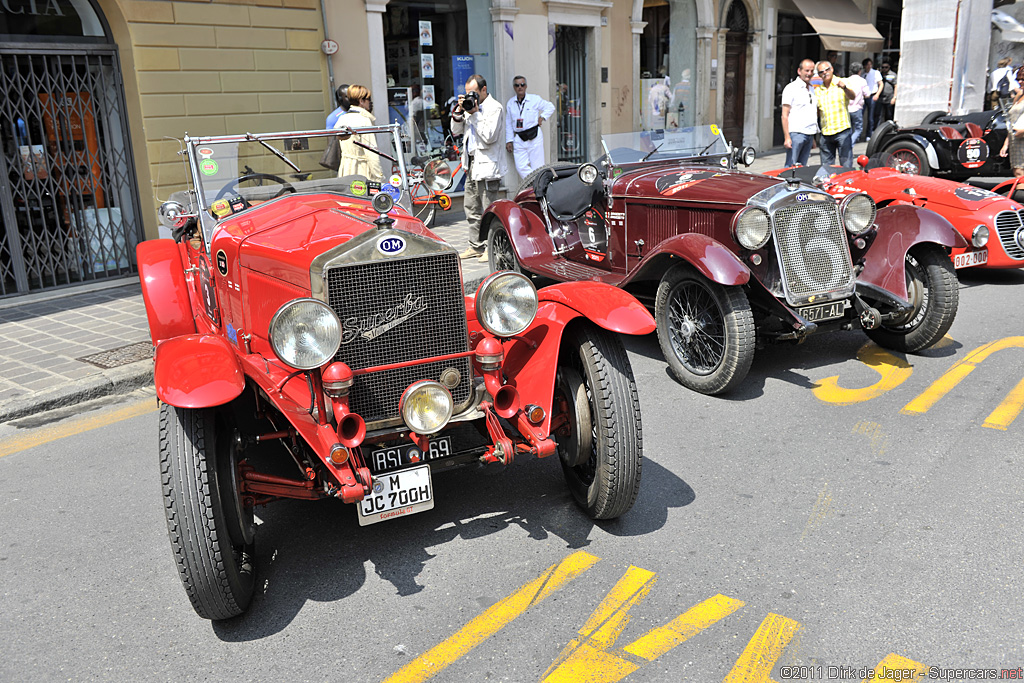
(588, 173)
(426, 406)
(506, 303)
(858, 212)
(979, 237)
(437, 175)
(305, 333)
(748, 156)
(751, 227)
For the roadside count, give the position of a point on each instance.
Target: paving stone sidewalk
(72, 345)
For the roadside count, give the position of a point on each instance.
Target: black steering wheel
(285, 185)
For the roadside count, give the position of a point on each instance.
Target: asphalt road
(801, 522)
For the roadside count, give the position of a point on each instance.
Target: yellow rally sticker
(714, 129)
(220, 208)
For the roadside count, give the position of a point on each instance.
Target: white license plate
(829, 311)
(397, 494)
(970, 258)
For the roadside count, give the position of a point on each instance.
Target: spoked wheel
(211, 530)
(500, 254)
(706, 331)
(424, 205)
(907, 157)
(596, 422)
(933, 289)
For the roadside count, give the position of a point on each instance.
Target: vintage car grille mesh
(1007, 225)
(424, 296)
(812, 244)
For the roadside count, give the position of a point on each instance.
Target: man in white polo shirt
(524, 115)
(799, 115)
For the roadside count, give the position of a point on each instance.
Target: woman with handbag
(356, 159)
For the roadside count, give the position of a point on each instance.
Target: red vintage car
(991, 223)
(726, 258)
(313, 341)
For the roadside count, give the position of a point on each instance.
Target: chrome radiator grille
(813, 251)
(396, 311)
(1008, 223)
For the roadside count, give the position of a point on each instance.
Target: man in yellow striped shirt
(833, 96)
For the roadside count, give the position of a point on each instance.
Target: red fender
(197, 371)
(526, 230)
(710, 257)
(605, 305)
(164, 290)
(900, 227)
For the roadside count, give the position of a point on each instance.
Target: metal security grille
(396, 311)
(571, 69)
(68, 201)
(814, 254)
(1008, 224)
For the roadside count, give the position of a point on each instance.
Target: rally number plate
(829, 311)
(397, 494)
(394, 457)
(970, 258)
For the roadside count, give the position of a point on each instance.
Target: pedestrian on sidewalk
(524, 139)
(856, 107)
(356, 159)
(873, 78)
(480, 119)
(1002, 85)
(885, 97)
(799, 115)
(834, 97)
(1014, 142)
(341, 99)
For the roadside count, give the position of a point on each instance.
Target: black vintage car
(954, 147)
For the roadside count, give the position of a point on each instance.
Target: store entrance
(571, 73)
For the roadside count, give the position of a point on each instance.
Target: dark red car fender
(710, 257)
(604, 305)
(900, 227)
(525, 229)
(197, 371)
(164, 290)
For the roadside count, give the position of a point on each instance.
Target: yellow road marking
(893, 372)
(585, 659)
(493, 619)
(961, 369)
(764, 649)
(908, 669)
(658, 641)
(822, 509)
(873, 431)
(1007, 411)
(47, 434)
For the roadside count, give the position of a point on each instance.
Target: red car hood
(884, 184)
(282, 239)
(704, 184)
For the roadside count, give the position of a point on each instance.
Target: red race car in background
(992, 223)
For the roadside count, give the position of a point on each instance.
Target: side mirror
(437, 175)
(173, 214)
(747, 156)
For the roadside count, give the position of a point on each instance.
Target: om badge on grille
(391, 245)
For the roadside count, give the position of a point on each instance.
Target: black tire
(906, 152)
(932, 117)
(424, 212)
(933, 288)
(706, 331)
(501, 255)
(600, 444)
(211, 533)
(528, 180)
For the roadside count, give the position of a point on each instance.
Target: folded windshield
(658, 145)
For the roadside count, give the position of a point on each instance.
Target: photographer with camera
(480, 119)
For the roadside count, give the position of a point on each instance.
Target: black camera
(470, 101)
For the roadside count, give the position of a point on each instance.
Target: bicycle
(429, 181)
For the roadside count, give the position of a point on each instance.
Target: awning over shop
(841, 25)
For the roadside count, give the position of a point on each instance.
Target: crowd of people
(820, 105)
(1005, 94)
(488, 131)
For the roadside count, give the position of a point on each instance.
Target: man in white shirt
(480, 121)
(523, 136)
(856, 106)
(799, 115)
(998, 97)
(873, 78)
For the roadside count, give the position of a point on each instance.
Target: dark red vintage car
(313, 341)
(991, 223)
(726, 257)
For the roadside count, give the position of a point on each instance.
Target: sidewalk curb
(122, 380)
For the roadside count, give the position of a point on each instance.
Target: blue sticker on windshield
(395, 192)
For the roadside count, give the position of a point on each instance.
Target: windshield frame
(209, 223)
(646, 142)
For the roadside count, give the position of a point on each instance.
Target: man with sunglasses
(524, 139)
(834, 97)
(799, 115)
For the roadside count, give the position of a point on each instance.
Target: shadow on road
(316, 551)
